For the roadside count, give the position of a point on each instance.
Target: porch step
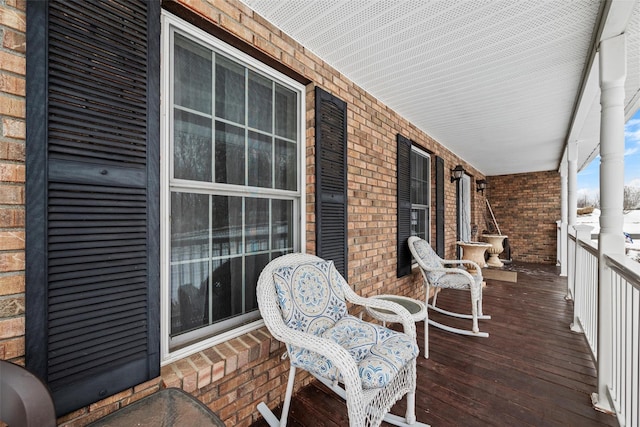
(500, 274)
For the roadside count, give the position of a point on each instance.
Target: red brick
(11, 194)
(12, 327)
(11, 217)
(11, 261)
(11, 150)
(170, 377)
(12, 63)
(203, 368)
(11, 284)
(12, 84)
(12, 348)
(13, 18)
(14, 40)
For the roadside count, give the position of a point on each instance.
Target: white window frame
(427, 208)
(171, 24)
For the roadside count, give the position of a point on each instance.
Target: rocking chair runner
(302, 299)
(436, 275)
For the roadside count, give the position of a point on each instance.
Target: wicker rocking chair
(302, 299)
(436, 275)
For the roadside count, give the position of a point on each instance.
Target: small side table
(167, 407)
(417, 309)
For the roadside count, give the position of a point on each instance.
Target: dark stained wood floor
(531, 371)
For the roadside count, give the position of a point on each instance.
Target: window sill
(212, 364)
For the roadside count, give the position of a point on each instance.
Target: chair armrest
(408, 325)
(462, 262)
(451, 270)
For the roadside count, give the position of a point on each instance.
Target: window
(232, 145)
(420, 193)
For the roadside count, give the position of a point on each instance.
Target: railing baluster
(624, 386)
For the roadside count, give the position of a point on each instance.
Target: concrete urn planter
(496, 248)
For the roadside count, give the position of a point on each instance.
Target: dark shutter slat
(81, 321)
(66, 337)
(331, 179)
(94, 361)
(440, 183)
(76, 54)
(102, 116)
(404, 205)
(70, 85)
(99, 132)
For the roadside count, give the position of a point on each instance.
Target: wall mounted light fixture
(457, 173)
(481, 185)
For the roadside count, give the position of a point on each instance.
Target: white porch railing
(625, 332)
(622, 377)
(585, 292)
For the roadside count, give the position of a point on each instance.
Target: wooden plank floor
(531, 371)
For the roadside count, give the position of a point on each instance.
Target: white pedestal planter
(474, 251)
(496, 248)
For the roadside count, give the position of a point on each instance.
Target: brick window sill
(212, 364)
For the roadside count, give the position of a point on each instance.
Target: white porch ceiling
(497, 82)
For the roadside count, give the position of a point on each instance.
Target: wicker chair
(302, 299)
(437, 275)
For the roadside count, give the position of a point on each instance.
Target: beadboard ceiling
(504, 84)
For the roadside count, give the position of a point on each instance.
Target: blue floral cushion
(310, 296)
(312, 301)
(379, 352)
(430, 258)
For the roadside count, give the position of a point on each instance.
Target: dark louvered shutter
(440, 177)
(331, 179)
(92, 273)
(404, 205)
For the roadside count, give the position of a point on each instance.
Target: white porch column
(612, 78)
(572, 179)
(572, 209)
(564, 217)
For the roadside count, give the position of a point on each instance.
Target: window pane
(257, 224)
(189, 226)
(230, 90)
(254, 265)
(286, 112)
(189, 296)
(227, 274)
(260, 102)
(191, 147)
(229, 154)
(192, 75)
(189, 250)
(419, 179)
(259, 160)
(226, 227)
(282, 224)
(235, 278)
(419, 223)
(286, 169)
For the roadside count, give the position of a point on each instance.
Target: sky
(588, 178)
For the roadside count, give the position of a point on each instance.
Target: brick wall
(526, 207)
(12, 178)
(234, 376)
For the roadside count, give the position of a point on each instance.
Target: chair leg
(268, 415)
(410, 415)
(474, 313)
(287, 397)
(426, 321)
(475, 308)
